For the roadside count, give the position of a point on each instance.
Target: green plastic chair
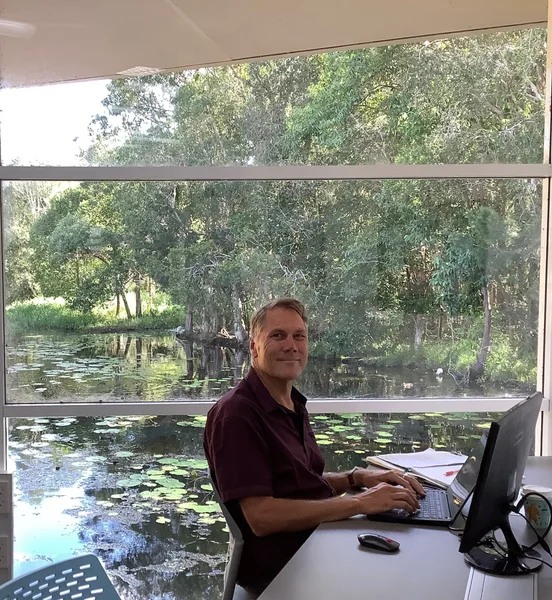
(79, 578)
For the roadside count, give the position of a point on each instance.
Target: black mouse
(378, 542)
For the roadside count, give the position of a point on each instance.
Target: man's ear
(253, 348)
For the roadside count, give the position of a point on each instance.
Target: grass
(38, 318)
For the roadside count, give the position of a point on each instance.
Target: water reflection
(128, 367)
(134, 490)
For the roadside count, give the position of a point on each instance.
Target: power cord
(495, 545)
(540, 537)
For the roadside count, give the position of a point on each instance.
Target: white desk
(428, 566)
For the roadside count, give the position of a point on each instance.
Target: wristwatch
(351, 479)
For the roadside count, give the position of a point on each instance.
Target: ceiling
(86, 39)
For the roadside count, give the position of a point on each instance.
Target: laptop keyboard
(433, 506)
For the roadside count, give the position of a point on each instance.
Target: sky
(39, 125)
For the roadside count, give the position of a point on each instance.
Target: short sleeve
(240, 458)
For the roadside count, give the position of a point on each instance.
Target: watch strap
(351, 478)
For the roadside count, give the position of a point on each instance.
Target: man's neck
(279, 389)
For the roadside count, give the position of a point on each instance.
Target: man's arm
(370, 477)
(338, 481)
(267, 515)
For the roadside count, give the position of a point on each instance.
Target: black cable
(540, 537)
(540, 560)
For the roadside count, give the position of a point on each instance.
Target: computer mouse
(378, 542)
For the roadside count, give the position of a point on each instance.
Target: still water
(110, 367)
(134, 490)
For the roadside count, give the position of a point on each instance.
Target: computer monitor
(498, 482)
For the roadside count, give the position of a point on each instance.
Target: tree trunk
(138, 352)
(478, 368)
(127, 307)
(189, 323)
(127, 346)
(118, 305)
(206, 326)
(419, 331)
(138, 294)
(239, 324)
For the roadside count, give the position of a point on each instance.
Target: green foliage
(31, 317)
(27, 318)
(508, 363)
(170, 318)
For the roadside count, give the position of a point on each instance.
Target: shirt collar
(263, 396)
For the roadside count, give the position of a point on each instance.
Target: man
(266, 463)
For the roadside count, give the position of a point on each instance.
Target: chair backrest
(235, 548)
(232, 525)
(81, 577)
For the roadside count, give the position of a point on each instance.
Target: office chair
(79, 577)
(231, 590)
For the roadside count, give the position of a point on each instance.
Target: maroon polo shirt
(257, 447)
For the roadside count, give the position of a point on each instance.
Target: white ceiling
(84, 39)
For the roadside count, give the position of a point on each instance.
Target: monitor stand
(518, 560)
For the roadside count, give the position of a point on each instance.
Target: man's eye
(278, 336)
(300, 336)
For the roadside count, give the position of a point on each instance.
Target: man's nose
(290, 344)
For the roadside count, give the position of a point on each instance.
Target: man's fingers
(404, 506)
(407, 496)
(415, 484)
(407, 481)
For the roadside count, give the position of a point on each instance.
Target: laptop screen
(465, 480)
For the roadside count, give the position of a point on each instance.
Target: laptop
(440, 506)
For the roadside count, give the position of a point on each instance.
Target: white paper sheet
(424, 459)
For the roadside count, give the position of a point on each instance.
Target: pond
(134, 490)
(123, 367)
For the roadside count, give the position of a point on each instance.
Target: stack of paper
(433, 466)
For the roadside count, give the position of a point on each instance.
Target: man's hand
(372, 477)
(384, 497)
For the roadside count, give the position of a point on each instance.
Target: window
(407, 283)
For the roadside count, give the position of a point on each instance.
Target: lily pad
(162, 520)
(170, 483)
(128, 483)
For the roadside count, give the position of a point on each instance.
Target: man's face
(280, 348)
